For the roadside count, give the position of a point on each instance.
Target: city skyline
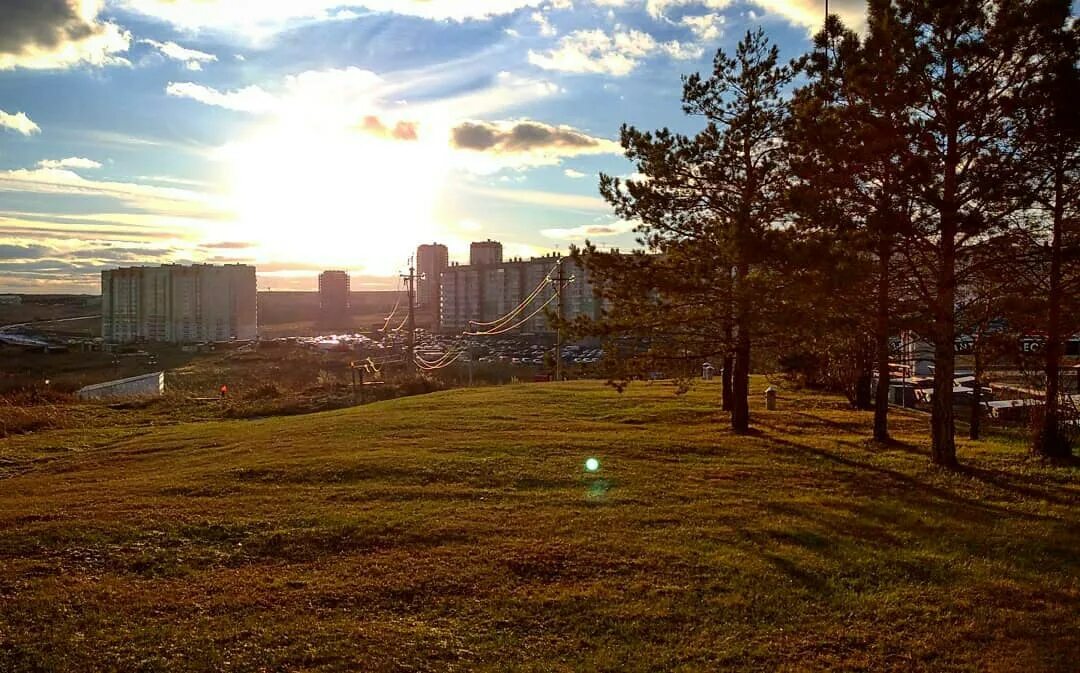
(303, 136)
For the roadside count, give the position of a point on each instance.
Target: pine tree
(850, 141)
(709, 208)
(969, 62)
(1049, 231)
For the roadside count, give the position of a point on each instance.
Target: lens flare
(592, 465)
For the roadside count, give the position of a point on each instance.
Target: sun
(312, 198)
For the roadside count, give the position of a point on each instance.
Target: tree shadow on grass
(928, 494)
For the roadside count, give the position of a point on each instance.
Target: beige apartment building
(179, 304)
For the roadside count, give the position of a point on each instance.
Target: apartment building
(179, 304)
(487, 292)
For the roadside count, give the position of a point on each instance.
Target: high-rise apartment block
(179, 304)
(486, 292)
(334, 289)
(431, 261)
(485, 252)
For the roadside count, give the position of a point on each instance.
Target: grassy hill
(460, 531)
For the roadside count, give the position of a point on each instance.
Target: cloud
(543, 25)
(192, 58)
(402, 130)
(659, 8)
(251, 99)
(574, 175)
(70, 162)
(810, 14)
(557, 200)
(10, 251)
(491, 146)
(266, 17)
(315, 95)
(19, 123)
(526, 136)
(589, 231)
(228, 245)
(618, 54)
(49, 34)
(145, 198)
(707, 27)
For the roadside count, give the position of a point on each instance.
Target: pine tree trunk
(942, 419)
(727, 396)
(881, 344)
(864, 382)
(740, 384)
(1049, 442)
(975, 425)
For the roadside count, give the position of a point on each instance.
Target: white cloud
(575, 175)
(192, 58)
(40, 35)
(544, 26)
(594, 51)
(19, 123)
(659, 8)
(707, 27)
(70, 162)
(251, 99)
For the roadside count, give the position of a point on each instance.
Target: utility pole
(559, 282)
(410, 338)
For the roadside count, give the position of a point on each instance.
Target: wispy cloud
(146, 198)
(192, 58)
(589, 231)
(258, 19)
(558, 200)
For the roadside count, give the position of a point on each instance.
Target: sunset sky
(303, 135)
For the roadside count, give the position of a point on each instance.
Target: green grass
(460, 531)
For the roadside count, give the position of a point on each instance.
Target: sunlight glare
(335, 197)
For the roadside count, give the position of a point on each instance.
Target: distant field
(460, 531)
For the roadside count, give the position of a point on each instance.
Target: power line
(495, 324)
(522, 321)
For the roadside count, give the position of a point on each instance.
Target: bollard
(770, 398)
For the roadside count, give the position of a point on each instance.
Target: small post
(770, 398)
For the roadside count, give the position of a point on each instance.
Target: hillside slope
(460, 531)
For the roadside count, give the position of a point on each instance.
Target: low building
(144, 386)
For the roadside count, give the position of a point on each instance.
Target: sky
(302, 135)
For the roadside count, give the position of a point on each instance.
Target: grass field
(459, 531)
